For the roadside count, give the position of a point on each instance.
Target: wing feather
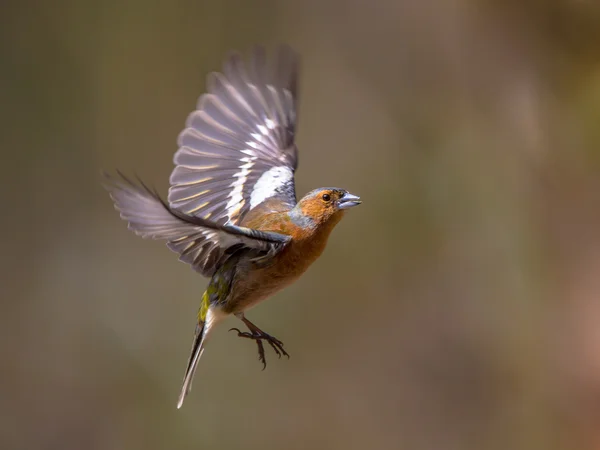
(201, 243)
(237, 149)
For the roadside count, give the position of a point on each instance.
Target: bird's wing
(237, 149)
(201, 243)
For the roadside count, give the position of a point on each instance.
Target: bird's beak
(348, 201)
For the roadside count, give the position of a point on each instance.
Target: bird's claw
(258, 337)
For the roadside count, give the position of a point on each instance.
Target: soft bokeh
(457, 308)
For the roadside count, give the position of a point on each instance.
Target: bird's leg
(258, 336)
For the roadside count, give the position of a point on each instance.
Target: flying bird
(231, 211)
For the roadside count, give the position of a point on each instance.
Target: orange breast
(304, 249)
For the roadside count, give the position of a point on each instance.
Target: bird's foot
(258, 337)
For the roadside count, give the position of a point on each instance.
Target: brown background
(457, 308)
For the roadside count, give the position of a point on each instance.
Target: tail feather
(196, 353)
(202, 331)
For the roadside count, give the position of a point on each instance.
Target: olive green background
(457, 308)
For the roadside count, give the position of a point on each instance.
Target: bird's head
(326, 205)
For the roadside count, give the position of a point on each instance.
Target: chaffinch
(232, 212)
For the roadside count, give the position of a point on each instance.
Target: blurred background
(457, 308)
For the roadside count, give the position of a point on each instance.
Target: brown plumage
(306, 245)
(232, 212)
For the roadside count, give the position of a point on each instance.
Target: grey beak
(348, 200)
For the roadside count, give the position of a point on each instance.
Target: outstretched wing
(201, 243)
(237, 149)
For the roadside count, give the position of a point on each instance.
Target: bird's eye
(326, 197)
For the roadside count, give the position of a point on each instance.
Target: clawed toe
(260, 336)
(244, 334)
(277, 346)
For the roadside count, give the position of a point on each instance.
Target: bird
(231, 211)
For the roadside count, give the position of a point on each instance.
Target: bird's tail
(206, 320)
